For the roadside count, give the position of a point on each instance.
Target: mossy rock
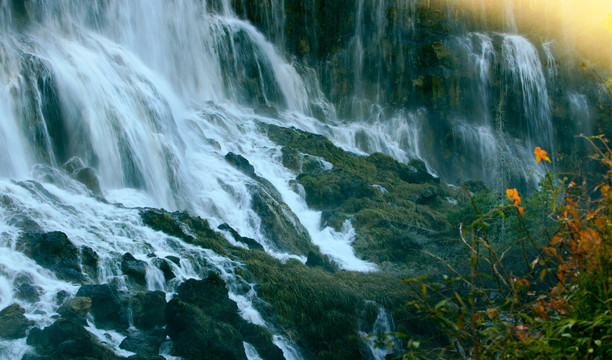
(191, 229)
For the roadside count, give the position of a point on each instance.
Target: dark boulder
(144, 344)
(75, 308)
(251, 243)
(106, 306)
(89, 261)
(13, 323)
(148, 309)
(240, 163)
(28, 292)
(83, 174)
(165, 267)
(196, 335)
(210, 295)
(88, 177)
(134, 268)
(174, 259)
(65, 339)
(53, 251)
(146, 357)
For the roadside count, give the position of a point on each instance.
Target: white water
(153, 94)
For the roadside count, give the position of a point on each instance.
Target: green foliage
(559, 306)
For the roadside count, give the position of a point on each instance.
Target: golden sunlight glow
(580, 25)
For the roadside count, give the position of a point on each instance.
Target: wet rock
(89, 261)
(13, 323)
(251, 243)
(148, 309)
(146, 357)
(75, 308)
(145, 345)
(196, 335)
(53, 251)
(106, 306)
(35, 357)
(316, 259)
(88, 177)
(330, 189)
(83, 174)
(166, 269)
(174, 259)
(266, 110)
(74, 164)
(279, 223)
(25, 223)
(28, 292)
(241, 163)
(66, 339)
(211, 296)
(134, 268)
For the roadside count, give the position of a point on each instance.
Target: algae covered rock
(107, 306)
(66, 339)
(54, 251)
(13, 323)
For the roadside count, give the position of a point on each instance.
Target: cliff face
(484, 84)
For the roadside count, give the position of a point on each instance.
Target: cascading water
(110, 107)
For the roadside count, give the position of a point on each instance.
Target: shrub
(553, 299)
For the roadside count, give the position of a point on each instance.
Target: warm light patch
(574, 24)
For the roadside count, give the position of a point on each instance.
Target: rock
(65, 339)
(174, 259)
(13, 323)
(53, 251)
(266, 110)
(279, 223)
(330, 189)
(106, 306)
(28, 292)
(240, 163)
(88, 177)
(35, 357)
(73, 165)
(251, 243)
(89, 257)
(25, 223)
(89, 261)
(134, 268)
(262, 340)
(75, 308)
(210, 295)
(195, 335)
(316, 259)
(148, 309)
(166, 269)
(146, 357)
(83, 174)
(144, 344)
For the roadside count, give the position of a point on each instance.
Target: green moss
(397, 209)
(323, 312)
(175, 224)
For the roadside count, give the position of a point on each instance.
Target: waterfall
(109, 108)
